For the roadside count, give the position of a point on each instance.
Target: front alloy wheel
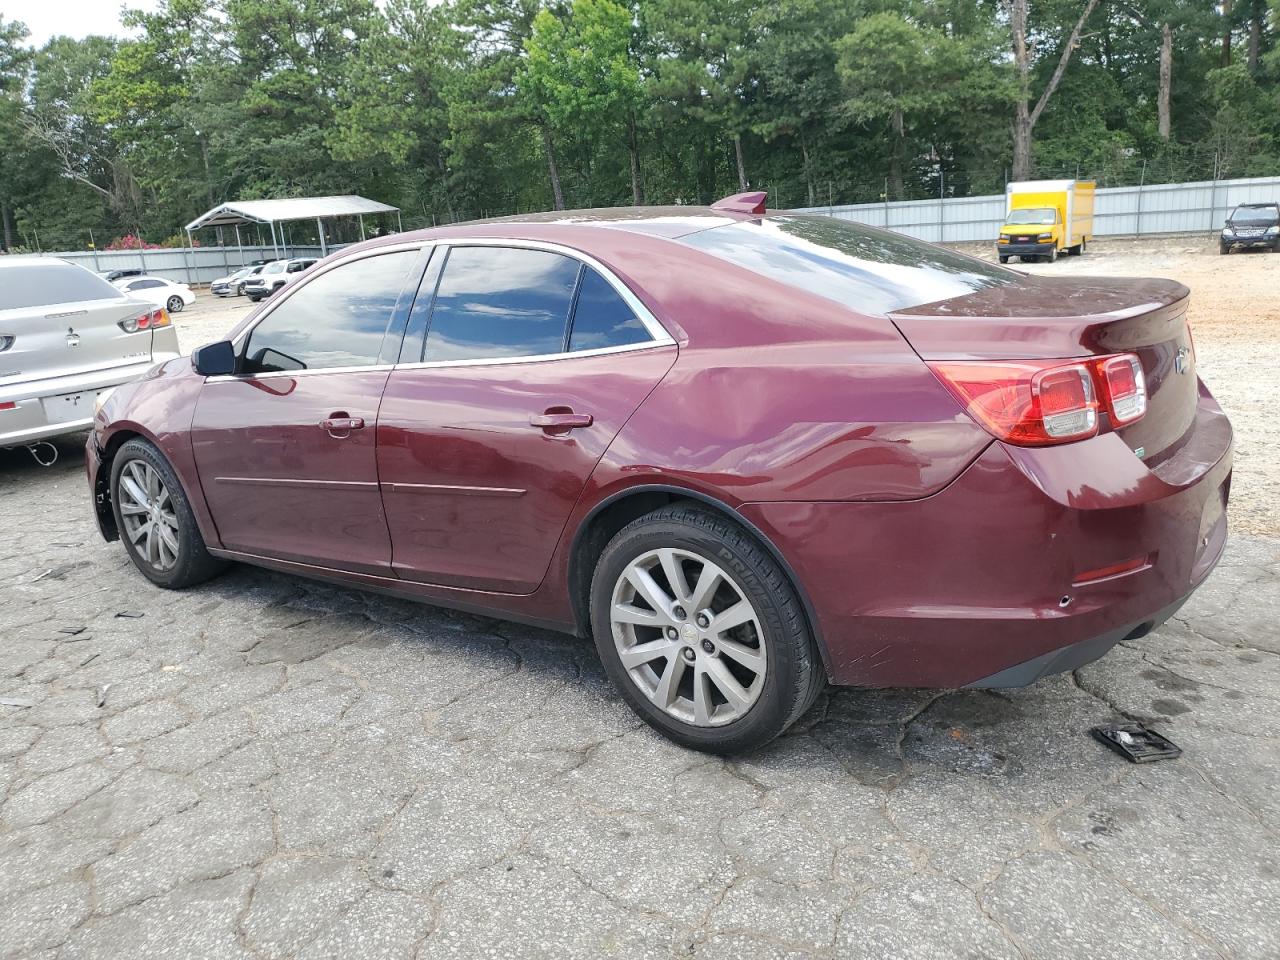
(688, 637)
(175, 304)
(150, 522)
(155, 520)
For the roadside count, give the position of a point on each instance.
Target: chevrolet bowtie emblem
(1182, 361)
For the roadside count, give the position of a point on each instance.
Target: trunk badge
(73, 338)
(1182, 361)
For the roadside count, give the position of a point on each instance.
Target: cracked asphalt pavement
(266, 767)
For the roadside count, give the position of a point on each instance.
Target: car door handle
(561, 421)
(340, 425)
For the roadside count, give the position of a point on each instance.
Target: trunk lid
(1038, 318)
(71, 338)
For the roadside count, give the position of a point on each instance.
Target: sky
(74, 18)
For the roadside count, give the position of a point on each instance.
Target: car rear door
(285, 447)
(515, 377)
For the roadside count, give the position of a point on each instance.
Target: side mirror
(214, 359)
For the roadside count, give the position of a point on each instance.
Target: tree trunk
(1255, 35)
(1024, 122)
(895, 158)
(737, 153)
(808, 170)
(8, 225)
(444, 188)
(637, 191)
(1022, 105)
(1226, 34)
(1166, 80)
(551, 168)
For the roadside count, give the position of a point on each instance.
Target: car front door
(492, 423)
(285, 447)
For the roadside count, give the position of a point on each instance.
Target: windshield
(1254, 216)
(1039, 216)
(276, 267)
(875, 271)
(242, 272)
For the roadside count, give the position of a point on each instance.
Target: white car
(163, 293)
(67, 338)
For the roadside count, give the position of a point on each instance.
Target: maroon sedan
(749, 453)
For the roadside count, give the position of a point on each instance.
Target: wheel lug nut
(688, 653)
(704, 621)
(672, 633)
(678, 613)
(708, 646)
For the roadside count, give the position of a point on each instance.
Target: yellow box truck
(1045, 218)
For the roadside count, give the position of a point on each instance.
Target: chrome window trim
(536, 357)
(659, 334)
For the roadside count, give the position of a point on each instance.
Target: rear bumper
(42, 413)
(988, 581)
(1076, 655)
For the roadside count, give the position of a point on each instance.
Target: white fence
(1118, 211)
(183, 264)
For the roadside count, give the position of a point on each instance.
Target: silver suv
(67, 335)
(274, 276)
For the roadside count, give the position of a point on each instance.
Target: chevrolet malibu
(747, 452)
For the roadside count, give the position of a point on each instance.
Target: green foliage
(467, 108)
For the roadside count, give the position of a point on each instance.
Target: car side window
(601, 318)
(145, 284)
(334, 320)
(496, 302)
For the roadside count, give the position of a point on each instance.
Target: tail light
(146, 321)
(1126, 389)
(1035, 403)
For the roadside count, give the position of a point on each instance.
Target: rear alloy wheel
(155, 521)
(175, 304)
(701, 632)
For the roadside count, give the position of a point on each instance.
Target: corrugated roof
(294, 208)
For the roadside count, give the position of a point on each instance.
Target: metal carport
(275, 213)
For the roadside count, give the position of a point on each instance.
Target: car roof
(671, 222)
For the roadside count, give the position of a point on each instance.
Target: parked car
(111, 276)
(1251, 225)
(274, 276)
(232, 285)
(66, 338)
(163, 293)
(747, 452)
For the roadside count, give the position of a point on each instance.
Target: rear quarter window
(23, 287)
(870, 270)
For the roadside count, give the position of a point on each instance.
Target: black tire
(194, 564)
(253, 298)
(1053, 256)
(1224, 249)
(174, 304)
(795, 675)
(1004, 259)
